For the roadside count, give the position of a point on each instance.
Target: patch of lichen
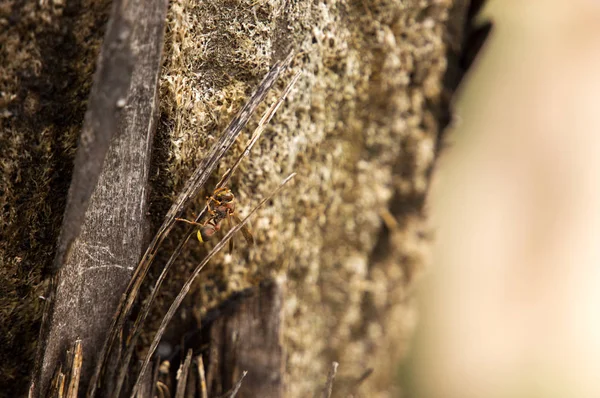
(47, 53)
(359, 128)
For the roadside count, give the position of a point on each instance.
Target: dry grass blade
(330, 378)
(61, 385)
(155, 378)
(191, 189)
(136, 329)
(77, 361)
(262, 124)
(201, 377)
(56, 387)
(147, 388)
(186, 287)
(233, 392)
(182, 375)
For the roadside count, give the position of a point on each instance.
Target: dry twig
(75, 372)
(233, 392)
(182, 375)
(330, 378)
(202, 377)
(57, 384)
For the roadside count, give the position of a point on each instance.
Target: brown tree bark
(348, 238)
(342, 245)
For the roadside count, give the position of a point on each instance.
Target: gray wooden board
(109, 245)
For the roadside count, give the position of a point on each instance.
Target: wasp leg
(230, 240)
(216, 191)
(209, 208)
(245, 231)
(190, 222)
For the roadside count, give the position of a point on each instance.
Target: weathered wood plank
(103, 255)
(249, 338)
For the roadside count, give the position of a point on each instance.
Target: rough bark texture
(359, 128)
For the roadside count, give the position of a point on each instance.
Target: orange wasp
(220, 206)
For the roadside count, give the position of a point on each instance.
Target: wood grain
(96, 267)
(249, 338)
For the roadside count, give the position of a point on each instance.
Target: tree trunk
(337, 252)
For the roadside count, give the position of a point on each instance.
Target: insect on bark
(220, 207)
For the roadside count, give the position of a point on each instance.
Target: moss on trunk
(359, 128)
